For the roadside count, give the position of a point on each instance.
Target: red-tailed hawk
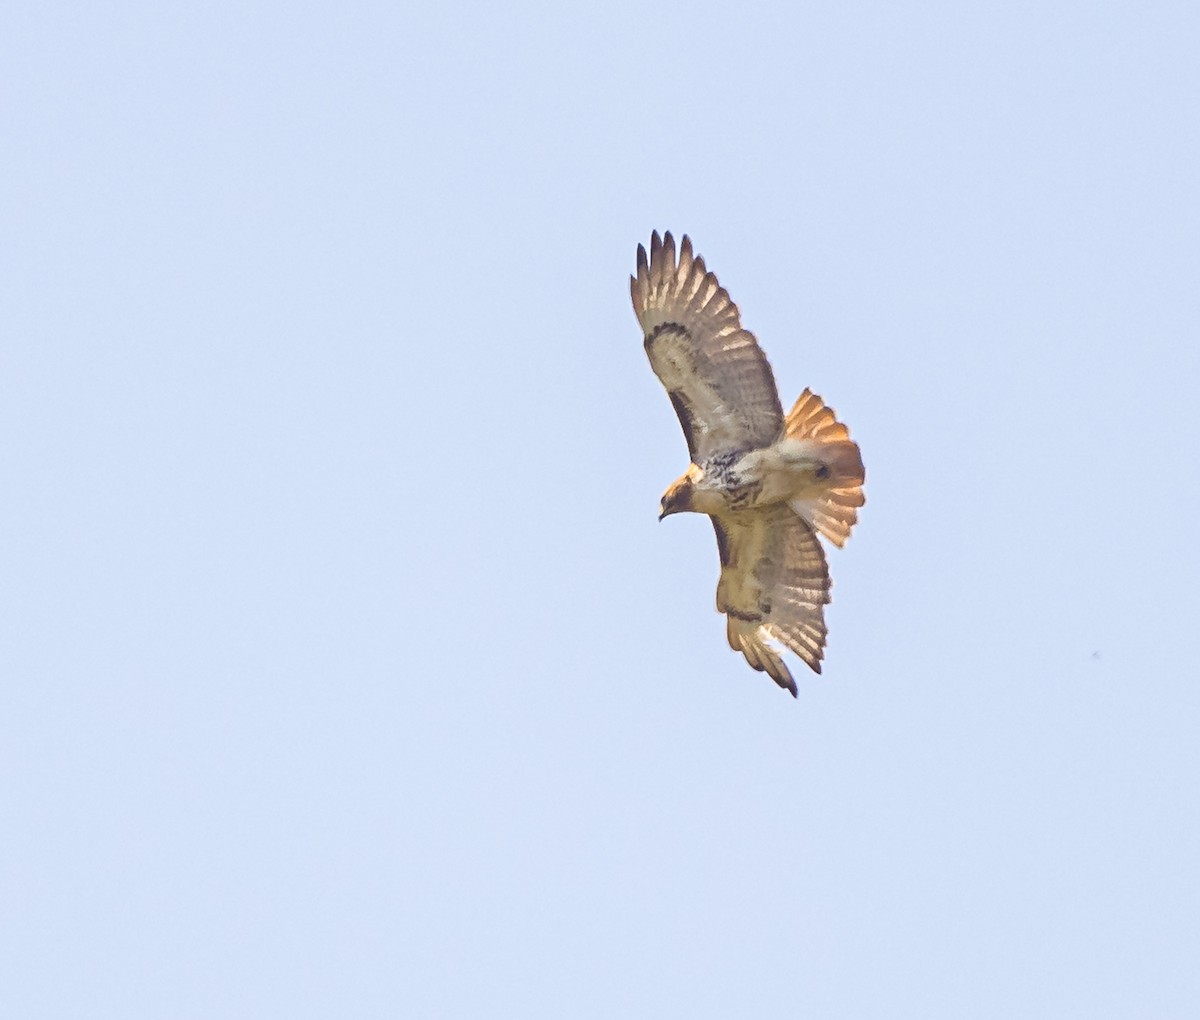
(768, 482)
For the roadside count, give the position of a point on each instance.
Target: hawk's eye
(821, 471)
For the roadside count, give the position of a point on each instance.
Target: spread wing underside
(716, 375)
(774, 587)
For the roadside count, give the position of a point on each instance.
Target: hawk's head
(680, 494)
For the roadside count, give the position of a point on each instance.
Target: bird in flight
(768, 482)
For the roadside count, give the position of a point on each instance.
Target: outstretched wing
(715, 373)
(774, 588)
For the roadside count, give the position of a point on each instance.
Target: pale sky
(346, 670)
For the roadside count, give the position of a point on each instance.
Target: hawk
(769, 482)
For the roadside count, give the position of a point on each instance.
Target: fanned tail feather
(813, 427)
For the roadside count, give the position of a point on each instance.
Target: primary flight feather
(769, 482)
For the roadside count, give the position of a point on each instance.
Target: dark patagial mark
(684, 413)
(722, 541)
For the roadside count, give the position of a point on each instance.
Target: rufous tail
(833, 509)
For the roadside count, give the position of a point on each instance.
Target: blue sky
(346, 669)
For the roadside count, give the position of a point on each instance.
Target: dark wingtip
(790, 686)
(643, 263)
(783, 677)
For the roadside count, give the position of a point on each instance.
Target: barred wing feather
(774, 587)
(716, 375)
